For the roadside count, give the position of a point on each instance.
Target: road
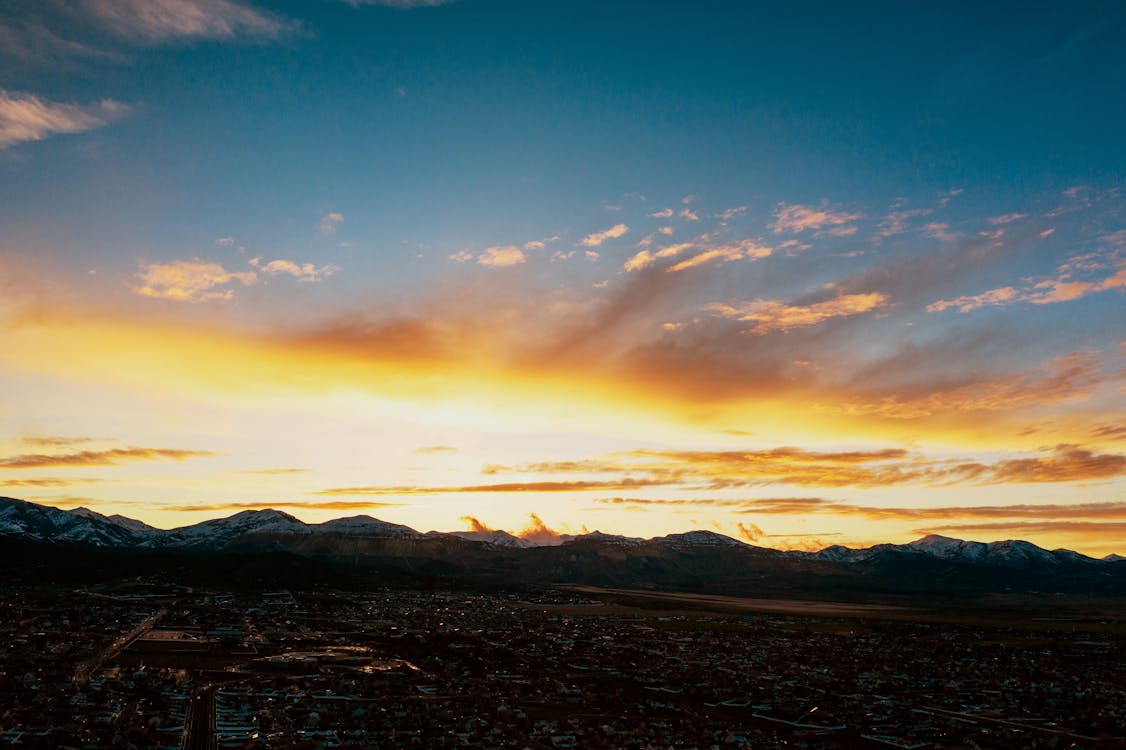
(1006, 723)
(84, 669)
(199, 721)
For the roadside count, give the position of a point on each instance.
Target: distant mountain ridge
(83, 525)
(699, 560)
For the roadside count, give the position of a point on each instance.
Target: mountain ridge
(699, 560)
(84, 525)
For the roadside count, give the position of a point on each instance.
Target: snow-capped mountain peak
(702, 538)
(365, 526)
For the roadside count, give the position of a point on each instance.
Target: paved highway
(199, 721)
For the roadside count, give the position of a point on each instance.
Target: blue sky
(900, 223)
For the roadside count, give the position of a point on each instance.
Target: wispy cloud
(401, 4)
(111, 457)
(774, 315)
(940, 231)
(748, 249)
(47, 482)
(723, 470)
(1103, 530)
(329, 222)
(796, 218)
(538, 531)
(57, 441)
(806, 506)
(297, 505)
(646, 258)
(750, 532)
(153, 21)
(1063, 287)
(429, 450)
(506, 487)
(898, 221)
(1071, 377)
(597, 238)
(26, 117)
(1005, 218)
(33, 38)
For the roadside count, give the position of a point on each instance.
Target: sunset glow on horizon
(554, 268)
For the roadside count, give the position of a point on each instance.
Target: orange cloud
(47, 482)
(1068, 463)
(750, 532)
(330, 505)
(995, 297)
(188, 280)
(56, 441)
(491, 342)
(1110, 431)
(1070, 377)
(580, 486)
(538, 531)
(1063, 288)
(807, 506)
(475, 525)
(773, 315)
(748, 249)
(1101, 530)
(432, 449)
(597, 238)
(111, 457)
(715, 470)
(642, 259)
(795, 218)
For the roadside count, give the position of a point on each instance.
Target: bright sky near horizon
(802, 273)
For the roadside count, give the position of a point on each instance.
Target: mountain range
(696, 560)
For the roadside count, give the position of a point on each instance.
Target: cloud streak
(502, 487)
(298, 505)
(26, 117)
(329, 223)
(110, 457)
(723, 470)
(46, 482)
(1072, 377)
(796, 218)
(154, 21)
(597, 238)
(774, 315)
(1061, 288)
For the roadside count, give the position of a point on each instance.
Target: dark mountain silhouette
(272, 546)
